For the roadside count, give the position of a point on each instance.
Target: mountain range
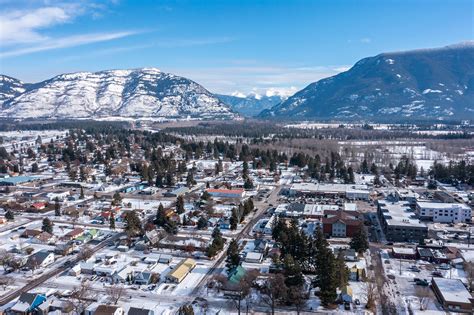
(146, 92)
(418, 84)
(250, 105)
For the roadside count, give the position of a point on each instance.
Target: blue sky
(228, 46)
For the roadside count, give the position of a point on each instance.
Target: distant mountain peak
(433, 83)
(144, 92)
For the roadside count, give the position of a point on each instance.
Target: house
(38, 206)
(43, 238)
(28, 233)
(140, 311)
(341, 223)
(226, 193)
(236, 274)
(254, 257)
(73, 234)
(42, 258)
(28, 303)
(108, 310)
(145, 277)
(261, 245)
(452, 294)
(181, 270)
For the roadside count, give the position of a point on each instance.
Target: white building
(444, 212)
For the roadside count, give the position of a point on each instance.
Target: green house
(236, 274)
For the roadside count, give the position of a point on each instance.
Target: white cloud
(23, 26)
(363, 40)
(258, 79)
(65, 42)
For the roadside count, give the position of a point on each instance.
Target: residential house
(108, 310)
(42, 258)
(181, 270)
(28, 303)
(140, 311)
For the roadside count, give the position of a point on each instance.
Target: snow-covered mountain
(146, 92)
(252, 104)
(9, 88)
(419, 84)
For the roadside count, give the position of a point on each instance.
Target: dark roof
(27, 297)
(105, 310)
(138, 311)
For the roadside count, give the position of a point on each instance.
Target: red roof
(38, 205)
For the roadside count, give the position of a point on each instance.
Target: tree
(202, 223)
(5, 282)
(115, 292)
(180, 204)
(34, 168)
(57, 207)
(85, 253)
(81, 196)
(112, 221)
(275, 291)
(117, 199)
(359, 241)
(292, 272)
(9, 215)
(325, 269)
(297, 297)
(233, 258)
(342, 272)
(81, 296)
(47, 226)
(469, 270)
(370, 292)
(234, 220)
(186, 310)
(190, 179)
(133, 225)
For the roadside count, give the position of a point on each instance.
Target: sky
(231, 47)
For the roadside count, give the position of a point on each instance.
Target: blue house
(28, 303)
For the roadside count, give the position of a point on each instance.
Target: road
(46, 276)
(245, 232)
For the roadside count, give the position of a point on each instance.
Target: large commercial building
(349, 191)
(399, 222)
(340, 223)
(444, 212)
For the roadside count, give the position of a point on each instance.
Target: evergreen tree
(359, 241)
(202, 223)
(133, 225)
(9, 215)
(81, 196)
(180, 204)
(161, 218)
(234, 219)
(34, 168)
(47, 226)
(112, 221)
(342, 272)
(57, 207)
(233, 258)
(325, 269)
(292, 272)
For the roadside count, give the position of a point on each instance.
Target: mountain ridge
(435, 83)
(141, 92)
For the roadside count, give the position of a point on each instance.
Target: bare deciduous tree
(423, 293)
(81, 297)
(469, 270)
(85, 253)
(5, 282)
(274, 291)
(115, 292)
